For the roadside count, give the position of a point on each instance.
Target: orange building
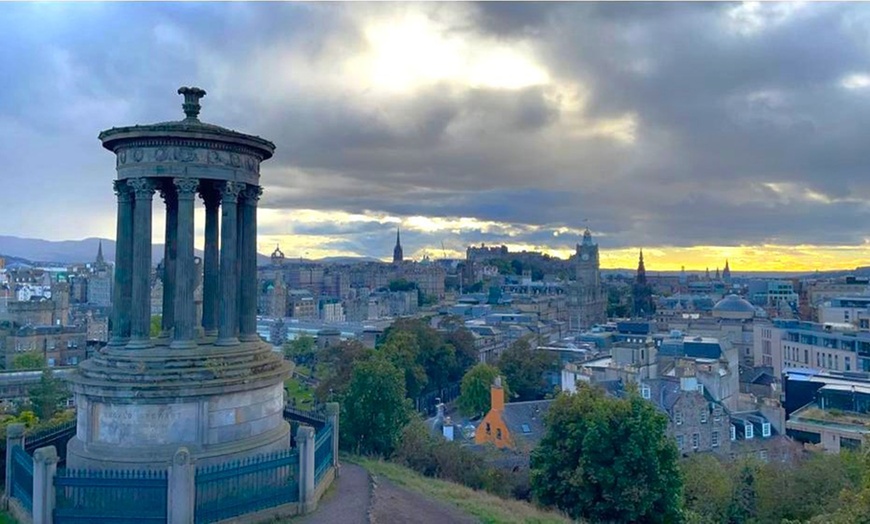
(517, 425)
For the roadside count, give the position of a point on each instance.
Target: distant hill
(34, 251)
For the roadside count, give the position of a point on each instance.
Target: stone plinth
(136, 408)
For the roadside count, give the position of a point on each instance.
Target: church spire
(641, 269)
(100, 259)
(397, 251)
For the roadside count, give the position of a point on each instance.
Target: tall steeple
(100, 260)
(641, 292)
(726, 273)
(641, 270)
(397, 251)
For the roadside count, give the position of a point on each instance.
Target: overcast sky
(697, 131)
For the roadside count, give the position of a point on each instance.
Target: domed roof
(732, 305)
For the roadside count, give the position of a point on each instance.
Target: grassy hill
(481, 505)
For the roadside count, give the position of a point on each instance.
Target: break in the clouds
(669, 124)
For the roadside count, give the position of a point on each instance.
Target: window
(836, 361)
(806, 356)
(678, 417)
(747, 430)
(717, 413)
(762, 454)
(645, 392)
(818, 360)
(714, 439)
(488, 429)
(733, 433)
(701, 388)
(681, 442)
(498, 433)
(526, 428)
(696, 440)
(765, 429)
(830, 361)
(704, 415)
(847, 363)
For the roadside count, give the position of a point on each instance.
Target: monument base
(135, 408)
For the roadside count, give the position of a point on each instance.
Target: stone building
(587, 299)
(61, 346)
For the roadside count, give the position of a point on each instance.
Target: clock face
(585, 256)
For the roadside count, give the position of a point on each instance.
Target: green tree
(156, 325)
(466, 353)
(474, 397)
(374, 408)
(708, 488)
(339, 361)
(402, 350)
(605, 459)
(47, 395)
(402, 285)
(806, 489)
(301, 350)
(525, 368)
(29, 360)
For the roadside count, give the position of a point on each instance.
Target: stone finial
(191, 101)
(15, 430)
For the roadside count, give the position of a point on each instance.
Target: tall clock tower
(589, 300)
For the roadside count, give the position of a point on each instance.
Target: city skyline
(699, 132)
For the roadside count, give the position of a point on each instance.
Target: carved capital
(209, 193)
(252, 194)
(186, 187)
(143, 188)
(122, 191)
(230, 191)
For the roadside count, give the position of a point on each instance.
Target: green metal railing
(322, 452)
(228, 490)
(117, 497)
(22, 477)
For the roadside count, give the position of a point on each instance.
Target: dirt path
(346, 501)
(355, 498)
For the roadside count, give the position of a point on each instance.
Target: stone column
(210, 273)
(248, 257)
(229, 281)
(123, 266)
(332, 410)
(44, 469)
(170, 256)
(185, 309)
(181, 489)
(305, 445)
(140, 321)
(14, 437)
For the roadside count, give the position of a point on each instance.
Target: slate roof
(525, 420)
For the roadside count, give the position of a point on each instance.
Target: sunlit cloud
(856, 81)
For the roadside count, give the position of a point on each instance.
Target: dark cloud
(726, 103)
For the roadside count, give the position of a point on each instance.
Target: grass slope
(488, 508)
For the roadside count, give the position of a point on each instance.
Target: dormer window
(748, 431)
(765, 429)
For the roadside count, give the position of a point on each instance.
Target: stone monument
(215, 388)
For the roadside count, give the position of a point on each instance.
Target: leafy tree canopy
(374, 408)
(29, 360)
(608, 460)
(474, 398)
(524, 368)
